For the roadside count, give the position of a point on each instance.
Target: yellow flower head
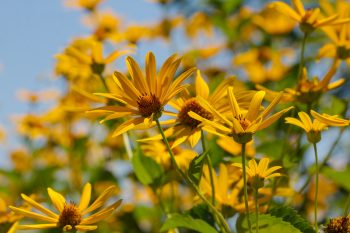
(313, 128)
(70, 217)
(240, 123)
(257, 173)
(308, 19)
(89, 5)
(143, 97)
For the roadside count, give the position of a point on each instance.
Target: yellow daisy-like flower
(240, 123)
(312, 128)
(257, 173)
(143, 97)
(70, 216)
(308, 19)
(185, 127)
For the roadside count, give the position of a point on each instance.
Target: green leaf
(341, 178)
(186, 221)
(195, 169)
(267, 224)
(146, 169)
(288, 214)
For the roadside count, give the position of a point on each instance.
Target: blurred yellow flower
(258, 173)
(8, 220)
(308, 19)
(143, 97)
(330, 120)
(234, 148)
(89, 5)
(71, 216)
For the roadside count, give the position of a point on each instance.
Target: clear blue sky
(32, 32)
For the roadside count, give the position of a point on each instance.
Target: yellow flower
(330, 120)
(234, 148)
(273, 22)
(70, 216)
(263, 64)
(8, 220)
(258, 173)
(143, 97)
(308, 91)
(95, 60)
(240, 123)
(157, 150)
(312, 128)
(309, 19)
(89, 5)
(185, 127)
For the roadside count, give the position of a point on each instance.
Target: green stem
(210, 166)
(245, 187)
(347, 206)
(301, 64)
(316, 191)
(193, 185)
(103, 81)
(257, 209)
(325, 160)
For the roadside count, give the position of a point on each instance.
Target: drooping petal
(293, 121)
(30, 214)
(127, 125)
(38, 206)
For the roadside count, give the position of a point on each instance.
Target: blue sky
(33, 31)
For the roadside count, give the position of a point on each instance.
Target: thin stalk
(103, 81)
(316, 191)
(302, 59)
(325, 160)
(347, 206)
(256, 209)
(210, 166)
(193, 185)
(245, 187)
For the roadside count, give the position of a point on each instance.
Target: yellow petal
(38, 206)
(29, 214)
(85, 197)
(85, 228)
(194, 137)
(137, 76)
(100, 200)
(36, 226)
(263, 165)
(330, 120)
(255, 106)
(233, 102)
(269, 121)
(286, 10)
(151, 71)
(306, 120)
(57, 199)
(127, 125)
(202, 88)
(298, 6)
(97, 52)
(293, 121)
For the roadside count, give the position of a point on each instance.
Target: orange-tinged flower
(143, 97)
(70, 216)
(308, 19)
(242, 124)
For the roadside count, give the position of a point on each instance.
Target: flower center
(70, 215)
(148, 105)
(193, 105)
(243, 121)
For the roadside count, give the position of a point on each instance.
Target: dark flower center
(70, 215)
(194, 106)
(148, 105)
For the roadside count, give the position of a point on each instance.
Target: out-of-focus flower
(157, 150)
(134, 33)
(89, 5)
(164, 28)
(199, 22)
(105, 25)
(31, 126)
(37, 96)
(21, 160)
(273, 22)
(308, 91)
(263, 64)
(242, 124)
(258, 173)
(234, 148)
(8, 220)
(142, 97)
(71, 216)
(309, 19)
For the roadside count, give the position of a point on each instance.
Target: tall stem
(316, 191)
(245, 187)
(193, 185)
(257, 209)
(301, 64)
(210, 166)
